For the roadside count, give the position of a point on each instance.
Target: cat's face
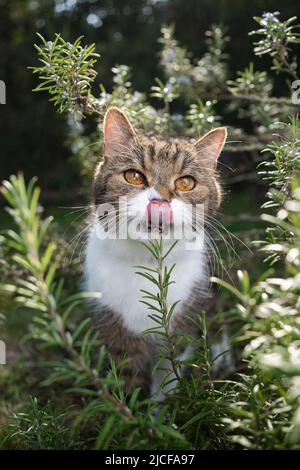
(163, 174)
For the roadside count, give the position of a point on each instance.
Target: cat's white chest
(110, 269)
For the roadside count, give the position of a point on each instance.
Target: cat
(164, 174)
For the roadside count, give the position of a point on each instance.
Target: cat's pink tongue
(159, 212)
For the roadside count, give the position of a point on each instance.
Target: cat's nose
(153, 194)
(159, 212)
(159, 193)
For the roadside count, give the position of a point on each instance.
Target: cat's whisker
(229, 249)
(189, 219)
(212, 257)
(219, 259)
(216, 255)
(229, 246)
(77, 239)
(90, 206)
(215, 223)
(230, 234)
(74, 241)
(73, 222)
(226, 166)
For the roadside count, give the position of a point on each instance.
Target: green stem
(163, 300)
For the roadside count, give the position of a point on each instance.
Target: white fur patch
(109, 269)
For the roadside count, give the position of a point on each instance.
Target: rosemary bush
(99, 414)
(199, 87)
(53, 327)
(255, 406)
(269, 312)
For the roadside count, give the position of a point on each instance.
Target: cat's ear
(210, 146)
(117, 131)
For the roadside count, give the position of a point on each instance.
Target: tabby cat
(164, 174)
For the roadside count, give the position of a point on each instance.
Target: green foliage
(201, 116)
(48, 153)
(257, 410)
(186, 98)
(269, 311)
(77, 358)
(253, 407)
(281, 172)
(160, 311)
(40, 428)
(256, 87)
(67, 73)
(207, 76)
(277, 36)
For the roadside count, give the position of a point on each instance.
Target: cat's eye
(134, 177)
(185, 183)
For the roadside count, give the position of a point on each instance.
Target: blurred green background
(33, 135)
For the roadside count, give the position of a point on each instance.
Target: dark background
(32, 133)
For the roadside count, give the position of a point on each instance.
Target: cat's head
(157, 172)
